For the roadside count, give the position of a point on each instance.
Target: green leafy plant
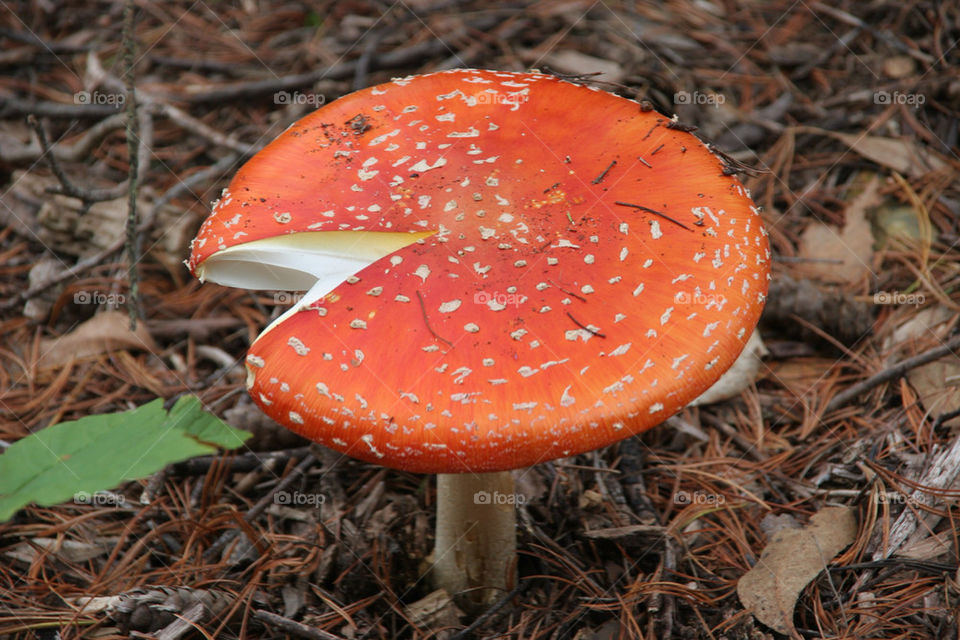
(96, 453)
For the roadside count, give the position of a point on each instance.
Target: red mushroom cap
(540, 269)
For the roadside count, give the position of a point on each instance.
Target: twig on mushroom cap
(654, 212)
(426, 319)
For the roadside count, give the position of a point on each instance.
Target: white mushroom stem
(475, 556)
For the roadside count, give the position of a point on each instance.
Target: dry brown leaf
(800, 376)
(937, 383)
(901, 155)
(793, 558)
(433, 610)
(853, 245)
(899, 66)
(901, 221)
(572, 61)
(104, 332)
(66, 550)
(928, 549)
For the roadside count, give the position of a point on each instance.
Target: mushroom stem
(475, 556)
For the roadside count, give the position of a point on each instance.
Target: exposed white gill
(312, 261)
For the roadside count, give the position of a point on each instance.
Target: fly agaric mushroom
(501, 269)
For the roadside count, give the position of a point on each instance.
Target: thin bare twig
(484, 617)
(88, 196)
(894, 372)
(585, 327)
(133, 146)
(640, 207)
(292, 626)
(426, 319)
(217, 546)
(214, 171)
(603, 174)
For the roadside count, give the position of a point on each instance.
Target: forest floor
(845, 117)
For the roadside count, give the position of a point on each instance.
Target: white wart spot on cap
(298, 346)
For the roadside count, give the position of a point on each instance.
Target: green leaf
(97, 453)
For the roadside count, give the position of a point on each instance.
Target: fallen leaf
(793, 558)
(66, 550)
(937, 383)
(899, 154)
(901, 221)
(82, 458)
(899, 66)
(571, 61)
(928, 549)
(800, 376)
(824, 245)
(104, 332)
(433, 610)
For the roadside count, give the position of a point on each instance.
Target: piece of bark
(834, 311)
